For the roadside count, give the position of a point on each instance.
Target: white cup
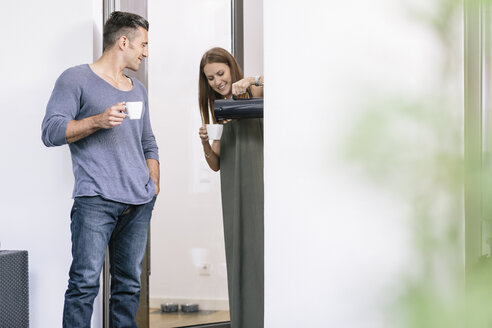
(134, 109)
(214, 131)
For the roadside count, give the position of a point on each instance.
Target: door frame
(237, 46)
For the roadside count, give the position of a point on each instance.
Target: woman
(239, 156)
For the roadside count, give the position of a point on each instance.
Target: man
(116, 169)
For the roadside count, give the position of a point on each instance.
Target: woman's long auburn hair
(206, 95)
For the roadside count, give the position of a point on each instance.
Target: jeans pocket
(74, 209)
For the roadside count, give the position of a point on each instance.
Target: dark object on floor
(14, 289)
(189, 308)
(169, 307)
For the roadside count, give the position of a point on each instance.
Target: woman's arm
(240, 86)
(212, 153)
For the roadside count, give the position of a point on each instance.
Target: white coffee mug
(214, 131)
(134, 109)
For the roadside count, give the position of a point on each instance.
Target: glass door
(188, 265)
(478, 160)
(185, 260)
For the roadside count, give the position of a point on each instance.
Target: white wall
(186, 226)
(40, 40)
(335, 244)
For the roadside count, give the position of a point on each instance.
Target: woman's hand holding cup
(210, 131)
(202, 132)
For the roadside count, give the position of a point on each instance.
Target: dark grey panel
(14, 289)
(238, 32)
(139, 8)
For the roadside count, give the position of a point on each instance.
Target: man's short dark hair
(121, 23)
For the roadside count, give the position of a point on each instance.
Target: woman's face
(219, 78)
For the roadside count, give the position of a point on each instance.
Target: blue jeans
(96, 224)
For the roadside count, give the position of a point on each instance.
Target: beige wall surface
(253, 37)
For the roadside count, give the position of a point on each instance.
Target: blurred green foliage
(414, 147)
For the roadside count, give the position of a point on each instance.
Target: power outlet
(205, 269)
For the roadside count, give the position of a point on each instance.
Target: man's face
(137, 49)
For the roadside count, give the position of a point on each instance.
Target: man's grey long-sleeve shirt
(110, 162)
